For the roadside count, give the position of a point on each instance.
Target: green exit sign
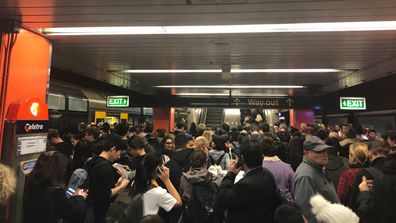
(117, 101)
(352, 103)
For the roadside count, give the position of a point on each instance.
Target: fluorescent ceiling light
(172, 71)
(230, 86)
(284, 70)
(223, 29)
(202, 94)
(225, 94)
(235, 71)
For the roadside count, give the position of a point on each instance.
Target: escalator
(214, 117)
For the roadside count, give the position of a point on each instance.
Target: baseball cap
(314, 143)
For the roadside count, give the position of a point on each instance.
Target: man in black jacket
(377, 154)
(253, 198)
(58, 144)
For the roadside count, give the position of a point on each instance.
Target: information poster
(31, 144)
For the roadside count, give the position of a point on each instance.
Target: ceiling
(363, 55)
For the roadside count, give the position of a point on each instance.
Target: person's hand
(232, 166)
(163, 173)
(366, 185)
(121, 170)
(126, 167)
(82, 193)
(123, 183)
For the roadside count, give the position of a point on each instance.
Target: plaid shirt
(345, 184)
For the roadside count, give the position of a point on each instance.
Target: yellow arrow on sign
(237, 101)
(289, 101)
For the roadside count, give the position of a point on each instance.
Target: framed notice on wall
(28, 144)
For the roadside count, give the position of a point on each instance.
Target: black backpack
(127, 208)
(200, 207)
(118, 206)
(80, 178)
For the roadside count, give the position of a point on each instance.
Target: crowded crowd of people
(253, 173)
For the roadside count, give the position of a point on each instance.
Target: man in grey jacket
(311, 178)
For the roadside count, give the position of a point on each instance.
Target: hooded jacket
(194, 175)
(345, 146)
(179, 160)
(334, 168)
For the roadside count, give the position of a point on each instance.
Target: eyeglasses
(168, 142)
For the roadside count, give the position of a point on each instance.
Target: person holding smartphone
(104, 184)
(156, 196)
(44, 196)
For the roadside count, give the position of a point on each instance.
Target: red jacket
(345, 184)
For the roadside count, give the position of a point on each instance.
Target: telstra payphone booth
(24, 138)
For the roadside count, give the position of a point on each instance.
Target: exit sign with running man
(117, 101)
(352, 103)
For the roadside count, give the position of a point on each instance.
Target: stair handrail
(202, 117)
(222, 116)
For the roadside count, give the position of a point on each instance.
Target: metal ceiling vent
(207, 2)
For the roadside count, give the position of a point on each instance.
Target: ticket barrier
(24, 138)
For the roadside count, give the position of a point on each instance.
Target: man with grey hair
(311, 177)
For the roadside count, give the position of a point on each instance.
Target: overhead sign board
(117, 101)
(352, 103)
(263, 102)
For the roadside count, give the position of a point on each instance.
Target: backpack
(121, 202)
(200, 207)
(133, 211)
(77, 180)
(118, 206)
(80, 179)
(216, 162)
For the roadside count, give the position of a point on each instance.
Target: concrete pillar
(163, 118)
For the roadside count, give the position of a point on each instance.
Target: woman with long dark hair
(154, 195)
(45, 198)
(294, 151)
